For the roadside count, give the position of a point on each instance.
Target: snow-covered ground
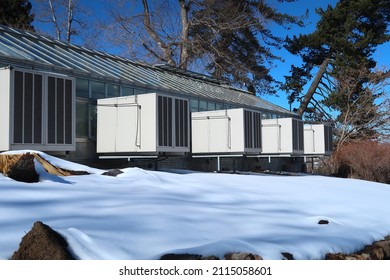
(143, 214)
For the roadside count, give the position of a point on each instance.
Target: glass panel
(97, 90)
(227, 106)
(139, 91)
(93, 118)
(82, 88)
(194, 105)
(82, 119)
(202, 106)
(126, 91)
(219, 106)
(210, 106)
(112, 90)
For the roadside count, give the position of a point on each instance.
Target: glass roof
(34, 50)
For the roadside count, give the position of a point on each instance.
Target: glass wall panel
(82, 88)
(210, 106)
(202, 106)
(82, 119)
(93, 119)
(126, 91)
(194, 105)
(97, 90)
(139, 91)
(112, 90)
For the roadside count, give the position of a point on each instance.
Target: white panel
(271, 130)
(126, 135)
(319, 138)
(106, 127)
(316, 136)
(237, 130)
(309, 147)
(286, 135)
(5, 92)
(148, 129)
(118, 125)
(211, 132)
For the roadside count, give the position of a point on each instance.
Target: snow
(144, 214)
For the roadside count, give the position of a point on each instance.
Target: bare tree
(227, 39)
(363, 111)
(151, 31)
(68, 17)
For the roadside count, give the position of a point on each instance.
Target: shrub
(365, 160)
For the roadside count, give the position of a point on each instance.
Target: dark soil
(24, 170)
(42, 243)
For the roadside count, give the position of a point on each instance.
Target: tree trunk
(309, 94)
(54, 19)
(184, 35)
(167, 52)
(69, 21)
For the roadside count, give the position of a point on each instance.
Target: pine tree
(346, 37)
(341, 47)
(16, 13)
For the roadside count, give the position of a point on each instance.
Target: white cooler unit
(37, 111)
(149, 123)
(232, 131)
(318, 139)
(283, 136)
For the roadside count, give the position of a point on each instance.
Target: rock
(242, 256)
(113, 172)
(210, 258)
(287, 256)
(323, 222)
(42, 243)
(23, 170)
(379, 250)
(181, 257)
(7, 161)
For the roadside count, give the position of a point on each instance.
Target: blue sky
(281, 68)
